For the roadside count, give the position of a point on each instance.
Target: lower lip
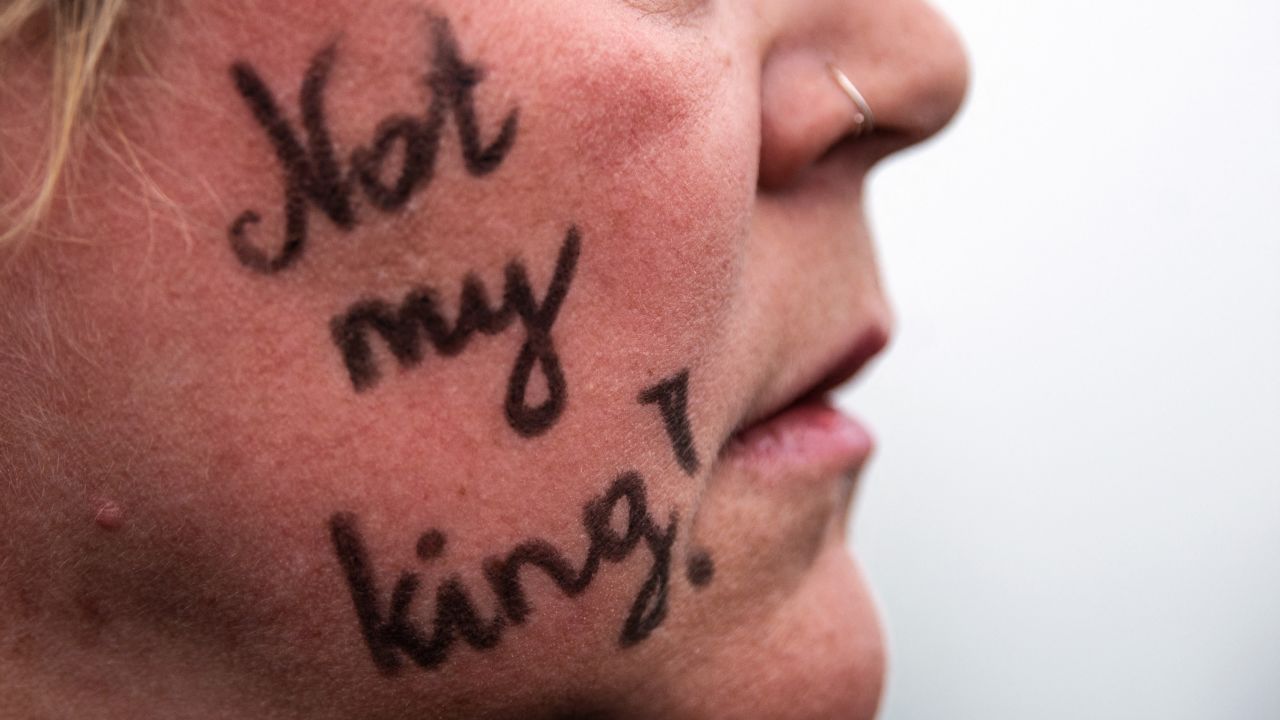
(812, 435)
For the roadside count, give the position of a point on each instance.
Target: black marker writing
(454, 612)
(417, 318)
(700, 569)
(650, 605)
(389, 630)
(313, 174)
(672, 398)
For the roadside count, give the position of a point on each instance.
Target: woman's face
(463, 358)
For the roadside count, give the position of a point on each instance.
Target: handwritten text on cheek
(313, 174)
(392, 630)
(314, 178)
(418, 317)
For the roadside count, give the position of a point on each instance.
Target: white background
(1075, 508)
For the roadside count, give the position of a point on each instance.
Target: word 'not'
(313, 175)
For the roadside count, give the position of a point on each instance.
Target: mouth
(804, 429)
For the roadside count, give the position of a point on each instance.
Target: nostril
(805, 112)
(876, 79)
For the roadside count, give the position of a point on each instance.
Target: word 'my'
(313, 174)
(418, 318)
(389, 630)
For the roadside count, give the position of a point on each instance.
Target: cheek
(628, 130)
(638, 144)
(635, 131)
(226, 388)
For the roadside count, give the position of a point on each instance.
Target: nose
(902, 56)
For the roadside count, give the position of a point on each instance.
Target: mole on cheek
(109, 516)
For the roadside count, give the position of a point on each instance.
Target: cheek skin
(220, 394)
(661, 172)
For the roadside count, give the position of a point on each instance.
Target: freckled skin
(697, 149)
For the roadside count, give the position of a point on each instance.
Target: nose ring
(865, 119)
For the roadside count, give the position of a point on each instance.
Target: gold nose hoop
(865, 119)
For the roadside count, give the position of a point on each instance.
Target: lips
(804, 429)
(811, 434)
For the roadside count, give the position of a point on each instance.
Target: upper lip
(843, 365)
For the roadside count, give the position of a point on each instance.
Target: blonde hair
(81, 33)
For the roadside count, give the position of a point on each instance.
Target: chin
(817, 653)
